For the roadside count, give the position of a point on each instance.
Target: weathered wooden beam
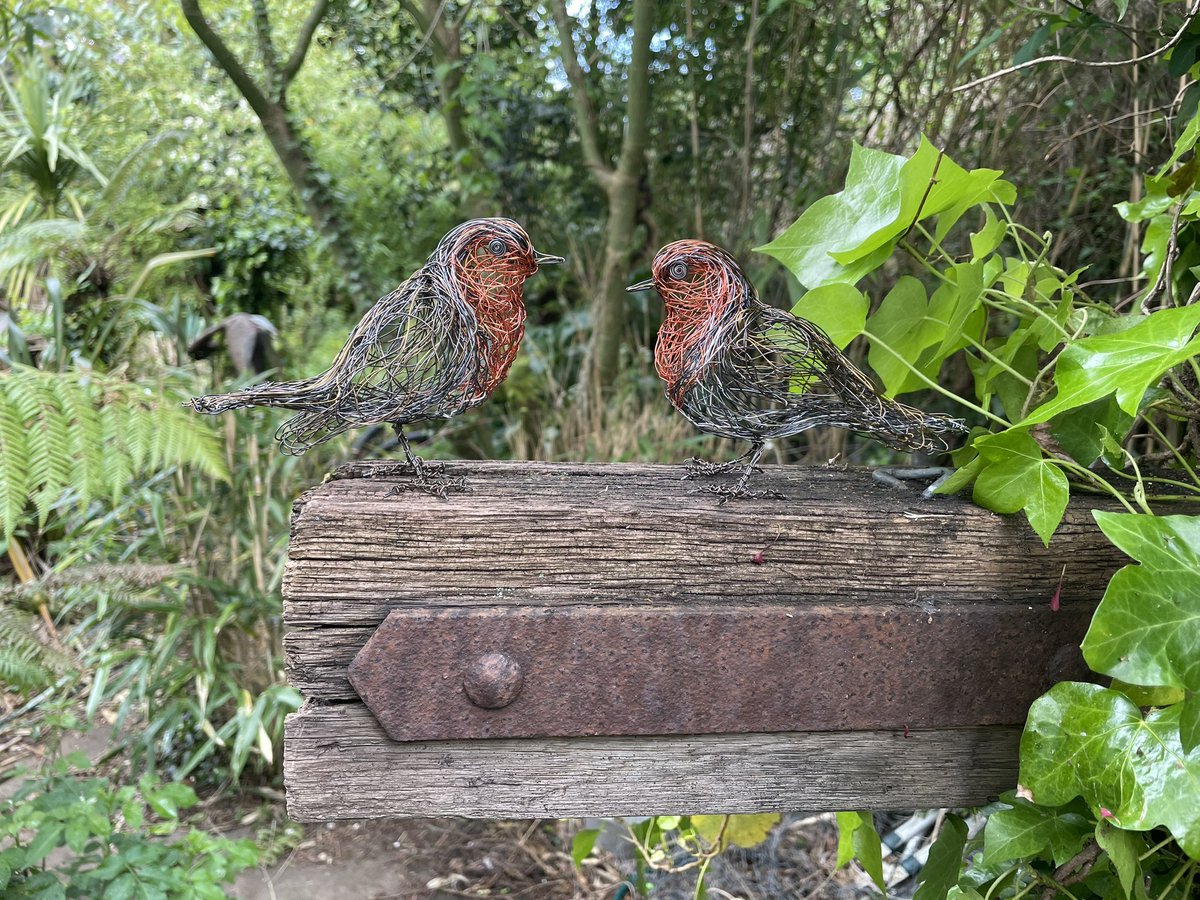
(339, 764)
(840, 553)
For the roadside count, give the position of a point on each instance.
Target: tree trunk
(620, 185)
(445, 43)
(269, 104)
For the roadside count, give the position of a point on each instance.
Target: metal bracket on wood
(528, 672)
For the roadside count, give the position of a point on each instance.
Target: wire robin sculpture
(436, 346)
(738, 368)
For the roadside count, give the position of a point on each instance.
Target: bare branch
(292, 66)
(1090, 64)
(266, 48)
(585, 112)
(224, 57)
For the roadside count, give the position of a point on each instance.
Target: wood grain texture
(628, 537)
(562, 535)
(338, 763)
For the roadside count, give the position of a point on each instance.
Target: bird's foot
(701, 468)
(738, 491)
(895, 476)
(430, 478)
(437, 486)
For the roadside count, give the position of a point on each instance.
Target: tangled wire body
(436, 346)
(740, 369)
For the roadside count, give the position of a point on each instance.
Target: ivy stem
(929, 382)
(1156, 848)
(1089, 475)
(1157, 480)
(1000, 878)
(1033, 307)
(1057, 885)
(925, 263)
(1001, 363)
(935, 244)
(1183, 870)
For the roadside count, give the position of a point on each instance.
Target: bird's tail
(288, 395)
(906, 428)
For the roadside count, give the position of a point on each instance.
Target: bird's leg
(700, 468)
(738, 490)
(895, 476)
(430, 478)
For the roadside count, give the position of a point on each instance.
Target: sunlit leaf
(840, 310)
(1124, 364)
(1146, 629)
(739, 830)
(1083, 740)
(1025, 830)
(1016, 476)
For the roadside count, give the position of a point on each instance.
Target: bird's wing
(780, 375)
(783, 375)
(411, 357)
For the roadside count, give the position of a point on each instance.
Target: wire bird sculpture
(738, 368)
(437, 345)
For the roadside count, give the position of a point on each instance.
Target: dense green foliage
(117, 839)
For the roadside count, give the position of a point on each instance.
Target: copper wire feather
(437, 345)
(740, 369)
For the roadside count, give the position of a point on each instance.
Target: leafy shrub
(122, 841)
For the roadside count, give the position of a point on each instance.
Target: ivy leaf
(846, 823)
(582, 844)
(840, 310)
(901, 330)
(1025, 830)
(841, 222)
(1186, 142)
(988, 238)
(1189, 723)
(945, 859)
(740, 830)
(925, 186)
(869, 851)
(842, 237)
(963, 310)
(1082, 431)
(1018, 477)
(1123, 848)
(1148, 696)
(1146, 629)
(1083, 740)
(858, 839)
(1125, 363)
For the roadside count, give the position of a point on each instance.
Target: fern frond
(70, 438)
(78, 403)
(118, 467)
(26, 664)
(14, 460)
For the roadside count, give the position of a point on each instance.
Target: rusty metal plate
(458, 674)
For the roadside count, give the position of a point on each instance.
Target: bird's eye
(678, 270)
(496, 247)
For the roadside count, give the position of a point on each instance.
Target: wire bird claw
(738, 491)
(695, 467)
(435, 487)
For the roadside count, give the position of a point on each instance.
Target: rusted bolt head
(493, 680)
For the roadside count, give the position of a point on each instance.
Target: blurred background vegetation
(167, 167)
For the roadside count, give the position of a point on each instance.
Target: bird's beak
(545, 259)
(640, 286)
